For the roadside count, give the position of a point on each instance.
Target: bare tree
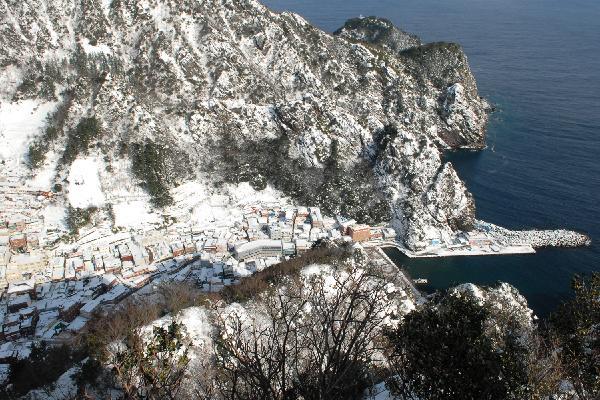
(312, 338)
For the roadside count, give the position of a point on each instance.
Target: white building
(259, 249)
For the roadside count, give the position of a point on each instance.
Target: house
(33, 240)
(69, 309)
(177, 249)
(389, 233)
(21, 287)
(376, 233)
(124, 253)
(302, 212)
(111, 264)
(359, 233)
(316, 217)
(18, 302)
(302, 245)
(75, 263)
(28, 261)
(289, 249)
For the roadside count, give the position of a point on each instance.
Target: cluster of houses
(23, 231)
(57, 290)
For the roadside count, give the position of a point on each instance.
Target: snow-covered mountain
(160, 92)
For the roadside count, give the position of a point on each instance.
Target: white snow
(379, 392)
(100, 48)
(19, 123)
(84, 184)
(197, 324)
(10, 78)
(44, 175)
(54, 216)
(135, 214)
(243, 194)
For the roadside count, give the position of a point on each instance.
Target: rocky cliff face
(378, 31)
(225, 90)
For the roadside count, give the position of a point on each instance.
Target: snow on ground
(198, 329)
(135, 214)
(19, 123)
(54, 216)
(44, 175)
(222, 208)
(10, 78)
(4, 371)
(379, 392)
(471, 289)
(244, 194)
(197, 325)
(63, 388)
(100, 48)
(84, 184)
(189, 195)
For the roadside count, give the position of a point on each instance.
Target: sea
(538, 63)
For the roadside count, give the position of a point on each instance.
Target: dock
(439, 252)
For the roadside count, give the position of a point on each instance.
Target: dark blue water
(539, 62)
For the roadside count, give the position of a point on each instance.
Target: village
(52, 287)
(53, 282)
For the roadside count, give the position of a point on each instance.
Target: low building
(289, 249)
(28, 261)
(316, 217)
(302, 245)
(359, 233)
(389, 233)
(18, 302)
(21, 287)
(18, 242)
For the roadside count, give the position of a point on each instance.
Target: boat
(421, 281)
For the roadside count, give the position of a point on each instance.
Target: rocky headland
(163, 92)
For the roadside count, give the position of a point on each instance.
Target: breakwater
(536, 238)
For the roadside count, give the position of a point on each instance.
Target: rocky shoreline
(536, 238)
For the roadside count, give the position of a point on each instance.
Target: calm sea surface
(538, 61)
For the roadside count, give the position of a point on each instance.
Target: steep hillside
(220, 91)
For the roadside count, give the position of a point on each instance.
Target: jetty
(490, 240)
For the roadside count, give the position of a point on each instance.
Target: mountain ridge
(359, 129)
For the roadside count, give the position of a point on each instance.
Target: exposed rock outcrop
(379, 31)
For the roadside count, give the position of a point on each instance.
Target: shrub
(576, 326)
(80, 139)
(259, 282)
(79, 217)
(36, 154)
(43, 367)
(149, 165)
(444, 351)
(306, 340)
(335, 187)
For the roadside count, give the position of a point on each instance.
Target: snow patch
(84, 184)
(100, 48)
(19, 123)
(54, 216)
(135, 214)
